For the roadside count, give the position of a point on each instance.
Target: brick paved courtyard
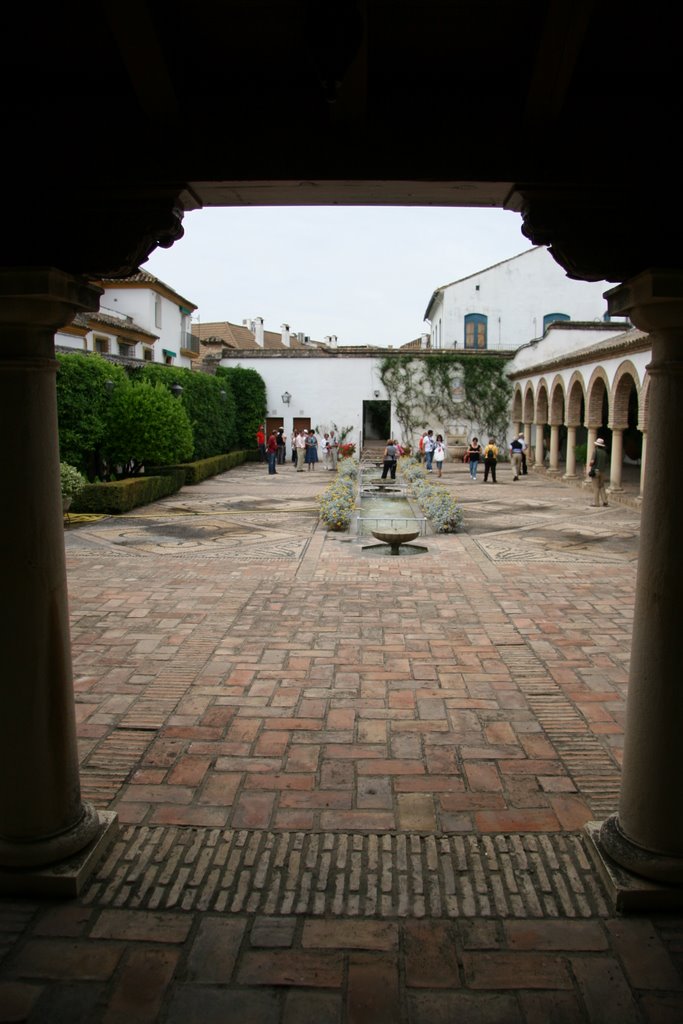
(351, 787)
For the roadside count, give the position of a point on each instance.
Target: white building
(505, 305)
(140, 318)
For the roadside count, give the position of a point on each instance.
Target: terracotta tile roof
(240, 336)
(143, 277)
(88, 322)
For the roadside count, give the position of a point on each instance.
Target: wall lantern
(376, 393)
(223, 396)
(176, 390)
(109, 385)
(286, 398)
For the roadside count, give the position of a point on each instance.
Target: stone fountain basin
(394, 538)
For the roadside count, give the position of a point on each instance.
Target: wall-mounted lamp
(176, 390)
(286, 398)
(109, 385)
(223, 396)
(376, 393)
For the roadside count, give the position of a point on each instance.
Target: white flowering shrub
(438, 505)
(337, 502)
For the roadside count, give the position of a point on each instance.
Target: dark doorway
(376, 420)
(273, 424)
(301, 423)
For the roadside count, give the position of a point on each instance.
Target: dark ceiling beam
(559, 47)
(138, 44)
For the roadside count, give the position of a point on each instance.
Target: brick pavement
(350, 787)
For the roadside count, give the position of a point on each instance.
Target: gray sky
(365, 274)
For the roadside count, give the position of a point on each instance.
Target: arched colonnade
(560, 410)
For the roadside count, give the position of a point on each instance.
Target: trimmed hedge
(202, 469)
(119, 496)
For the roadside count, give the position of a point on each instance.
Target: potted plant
(73, 483)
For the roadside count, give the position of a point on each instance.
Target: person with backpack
(490, 460)
(516, 453)
(597, 470)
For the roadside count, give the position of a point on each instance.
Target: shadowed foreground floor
(350, 787)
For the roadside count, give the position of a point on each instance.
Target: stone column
(590, 445)
(554, 466)
(527, 438)
(643, 462)
(616, 459)
(42, 817)
(646, 836)
(538, 456)
(570, 468)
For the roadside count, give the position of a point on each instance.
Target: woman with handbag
(439, 454)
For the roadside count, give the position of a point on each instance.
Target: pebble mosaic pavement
(350, 787)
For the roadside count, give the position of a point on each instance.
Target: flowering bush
(345, 451)
(438, 505)
(338, 501)
(72, 481)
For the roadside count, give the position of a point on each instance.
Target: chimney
(258, 331)
(424, 341)
(333, 340)
(300, 337)
(285, 334)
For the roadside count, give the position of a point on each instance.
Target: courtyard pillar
(554, 466)
(616, 459)
(643, 459)
(570, 468)
(646, 835)
(527, 438)
(43, 820)
(539, 453)
(590, 444)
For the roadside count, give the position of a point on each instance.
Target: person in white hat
(597, 470)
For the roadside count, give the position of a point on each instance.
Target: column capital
(653, 300)
(43, 297)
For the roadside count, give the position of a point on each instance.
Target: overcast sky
(365, 274)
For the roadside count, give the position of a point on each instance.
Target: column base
(65, 878)
(570, 476)
(615, 490)
(554, 472)
(629, 891)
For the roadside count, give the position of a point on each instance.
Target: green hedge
(202, 469)
(122, 495)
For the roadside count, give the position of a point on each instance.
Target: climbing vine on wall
(445, 386)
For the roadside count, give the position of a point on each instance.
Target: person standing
(439, 453)
(300, 450)
(390, 456)
(525, 471)
(473, 457)
(490, 460)
(333, 445)
(325, 448)
(311, 450)
(429, 446)
(598, 471)
(292, 444)
(271, 454)
(281, 445)
(421, 446)
(261, 444)
(516, 452)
